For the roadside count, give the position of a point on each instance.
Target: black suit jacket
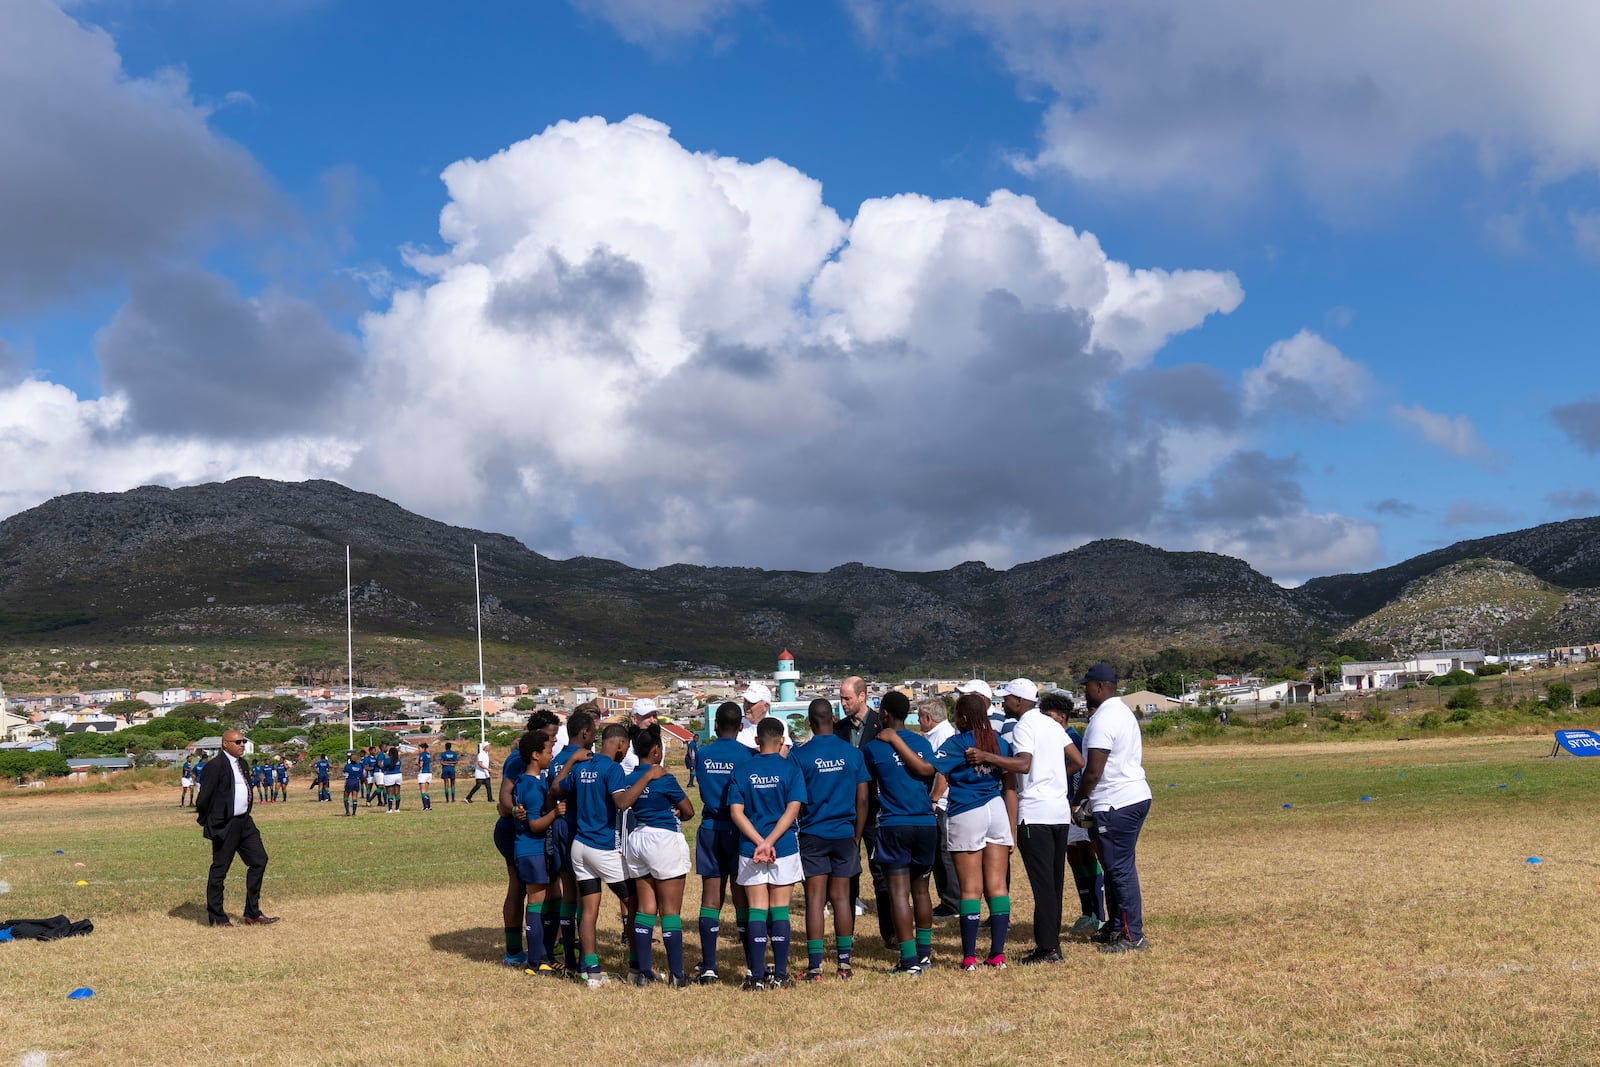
(213, 802)
(845, 727)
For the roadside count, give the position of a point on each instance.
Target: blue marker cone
(1172, 785)
(60, 853)
(1534, 859)
(1500, 786)
(1286, 807)
(1365, 799)
(83, 992)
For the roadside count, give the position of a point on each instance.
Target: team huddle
(600, 812)
(373, 775)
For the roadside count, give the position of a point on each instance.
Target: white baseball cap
(977, 685)
(756, 694)
(1020, 687)
(644, 706)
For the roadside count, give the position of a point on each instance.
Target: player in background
(764, 802)
(392, 776)
(371, 772)
(691, 753)
(592, 783)
(716, 842)
(531, 856)
(830, 829)
(319, 778)
(424, 775)
(353, 773)
(282, 768)
(199, 769)
(900, 763)
(258, 775)
(657, 858)
(186, 781)
(979, 834)
(447, 771)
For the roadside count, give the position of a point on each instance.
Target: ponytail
(973, 710)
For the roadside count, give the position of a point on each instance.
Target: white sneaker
(596, 981)
(861, 906)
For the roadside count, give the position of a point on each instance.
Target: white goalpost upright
(483, 693)
(350, 650)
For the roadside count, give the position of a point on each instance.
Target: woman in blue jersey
(979, 836)
(353, 773)
(424, 775)
(657, 856)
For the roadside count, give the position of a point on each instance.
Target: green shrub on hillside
(1590, 699)
(1375, 715)
(1454, 678)
(32, 764)
(1430, 720)
(1463, 700)
(1558, 695)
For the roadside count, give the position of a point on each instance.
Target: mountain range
(254, 558)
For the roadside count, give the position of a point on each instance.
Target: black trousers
(242, 839)
(1044, 858)
(882, 902)
(944, 871)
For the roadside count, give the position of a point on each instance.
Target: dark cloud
(1580, 421)
(1400, 509)
(597, 296)
(1189, 395)
(1247, 485)
(194, 356)
(1574, 501)
(102, 173)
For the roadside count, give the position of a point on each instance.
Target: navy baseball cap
(1100, 672)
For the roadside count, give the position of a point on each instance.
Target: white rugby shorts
(972, 830)
(602, 863)
(391, 779)
(786, 871)
(652, 852)
(424, 777)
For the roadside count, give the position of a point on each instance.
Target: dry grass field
(1408, 928)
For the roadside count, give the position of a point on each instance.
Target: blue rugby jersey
(903, 798)
(832, 768)
(766, 786)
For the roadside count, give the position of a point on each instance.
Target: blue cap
(1100, 672)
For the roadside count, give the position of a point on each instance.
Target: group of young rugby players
(599, 811)
(373, 774)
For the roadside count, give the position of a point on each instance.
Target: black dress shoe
(259, 920)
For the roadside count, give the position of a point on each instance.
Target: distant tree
(249, 711)
(367, 709)
(1464, 697)
(524, 704)
(1558, 695)
(289, 709)
(127, 709)
(450, 702)
(194, 710)
(55, 729)
(1167, 683)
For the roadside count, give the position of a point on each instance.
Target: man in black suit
(222, 808)
(858, 725)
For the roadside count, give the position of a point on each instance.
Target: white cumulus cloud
(1306, 375)
(1150, 93)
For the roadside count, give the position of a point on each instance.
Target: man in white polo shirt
(934, 720)
(757, 699)
(1042, 759)
(1118, 798)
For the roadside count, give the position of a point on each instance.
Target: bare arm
(863, 803)
(913, 762)
(1074, 759)
(1021, 763)
(1091, 775)
(626, 798)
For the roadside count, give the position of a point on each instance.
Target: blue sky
(900, 281)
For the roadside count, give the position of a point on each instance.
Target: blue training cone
(1286, 807)
(1365, 799)
(1534, 859)
(83, 992)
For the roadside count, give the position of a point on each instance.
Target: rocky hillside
(253, 558)
(263, 558)
(1478, 603)
(1566, 554)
